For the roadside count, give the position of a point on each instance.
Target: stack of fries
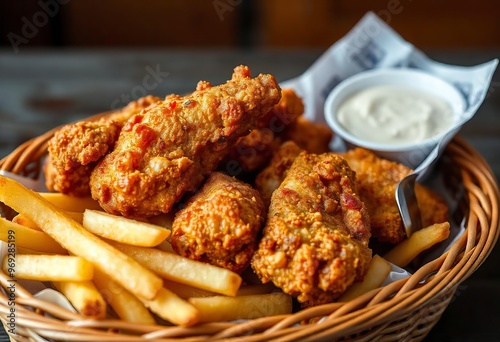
(96, 259)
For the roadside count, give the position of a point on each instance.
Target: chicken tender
(283, 114)
(251, 152)
(219, 224)
(315, 241)
(75, 149)
(275, 172)
(73, 153)
(433, 208)
(168, 150)
(312, 137)
(377, 182)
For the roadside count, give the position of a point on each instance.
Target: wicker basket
(405, 310)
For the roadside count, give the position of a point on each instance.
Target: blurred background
(241, 23)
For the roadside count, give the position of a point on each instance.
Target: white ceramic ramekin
(411, 154)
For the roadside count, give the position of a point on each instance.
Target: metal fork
(405, 190)
(408, 205)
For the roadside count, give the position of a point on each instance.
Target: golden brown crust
(253, 151)
(73, 153)
(76, 148)
(433, 208)
(275, 172)
(310, 136)
(315, 242)
(284, 113)
(169, 149)
(219, 224)
(377, 182)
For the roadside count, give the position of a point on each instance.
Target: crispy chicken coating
(284, 113)
(253, 151)
(75, 148)
(275, 172)
(377, 182)
(169, 149)
(312, 137)
(135, 107)
(219, 224)
(315, 241)
(433, 208)
(74, 151)
(250, 152)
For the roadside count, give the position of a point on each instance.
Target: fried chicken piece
(135, 107)
(377, 182)
(253, 151)
(270, 178)
(312, 137)
(275, 172)
(219, 224)
(169, 149)
(75, 149)
(283, 114)
(315, 241)
(250, 152)
(73, 152)
(433, 208)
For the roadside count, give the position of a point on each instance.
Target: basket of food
(227, 214)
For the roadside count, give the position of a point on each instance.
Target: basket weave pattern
(405, 310)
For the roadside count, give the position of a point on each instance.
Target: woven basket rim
(390, 310)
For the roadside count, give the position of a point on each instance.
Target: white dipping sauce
(394, 115)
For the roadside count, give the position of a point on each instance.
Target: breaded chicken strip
(253, 151)
(275, 172)
(315, 241)
(168, 150)
(377, 182)
(219, 224)
(312, 137)
(75, 149)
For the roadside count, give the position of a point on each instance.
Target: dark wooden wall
(243, 23)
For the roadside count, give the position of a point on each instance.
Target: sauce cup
(410, 154)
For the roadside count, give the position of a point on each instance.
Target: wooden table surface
(42, 89)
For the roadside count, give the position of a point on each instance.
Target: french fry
(166, 247)
(248, 290)
(404, 252)
(186, 291)
(84, 297)
(377, 272)
(125, 305)
(183, 270)
(172, 308)
(23, 250)
(78, 241)
(28, 238)
(48, 267)
(124, 230)
(221, 308)
(70, 203)
(24, 221)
